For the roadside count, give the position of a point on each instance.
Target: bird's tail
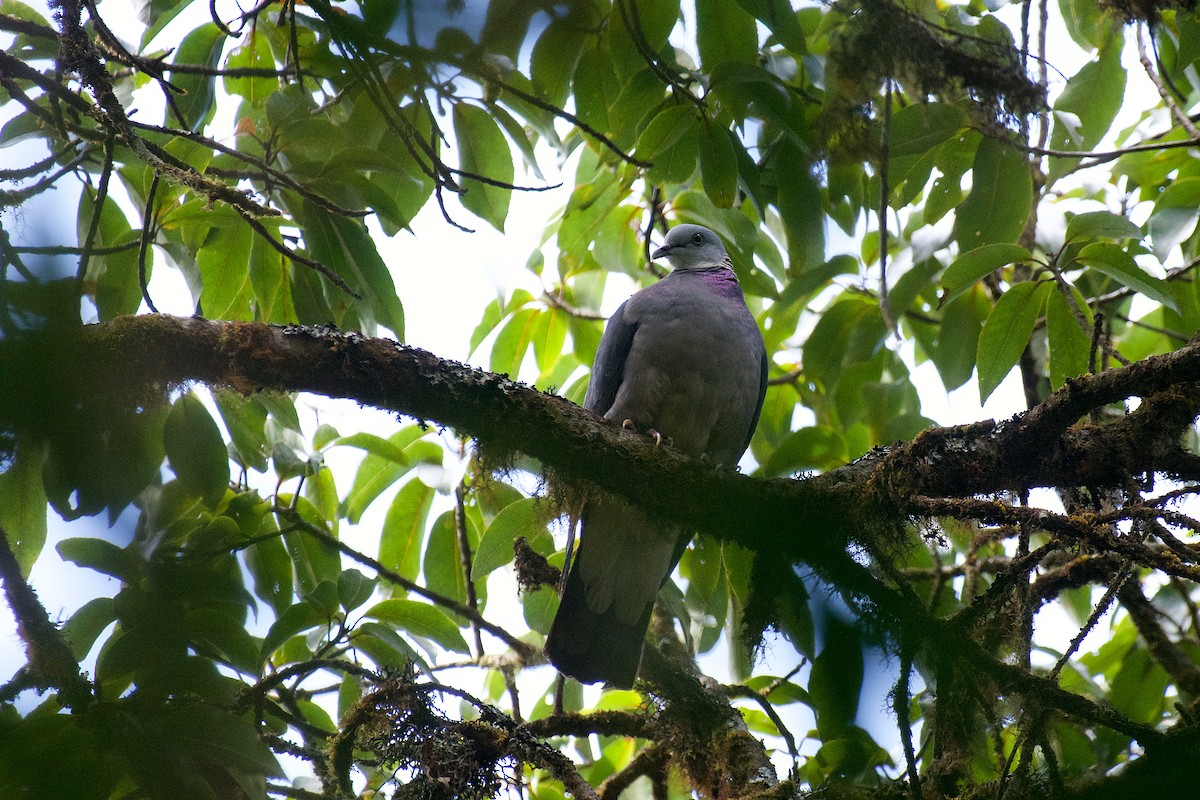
(623, 559)
(591, 646)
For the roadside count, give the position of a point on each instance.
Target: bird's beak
(661, 252)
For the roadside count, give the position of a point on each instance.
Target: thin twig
(464, 553)
(901, 697)
(562, 305)
(1178, 113)
(885, 307)
(144, 243)
(768, 708)
(528, 653)
(283, 249)
(101, 196)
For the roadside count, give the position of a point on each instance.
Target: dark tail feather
(593, 647)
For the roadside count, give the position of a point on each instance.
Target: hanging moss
(1148, 11)
(883, 40)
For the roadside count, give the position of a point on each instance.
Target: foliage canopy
(900, 184)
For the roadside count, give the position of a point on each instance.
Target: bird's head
(692, 247)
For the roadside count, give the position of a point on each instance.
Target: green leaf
(345, 246)
(958, 336)
(1139, 687)
(223, 742)
(420, 619)
(114, 275)
(483, 150)
(385, 647)
(404, 529)
(1175, 213)
(1085, 22)
(443, 565)
(196, 449)
(397, 186)
(375, 445)
(1000, 199)
(270, 274)
(975, 264)
(223, 637)
(825, 351)
(801, 210)
(917, 129)
(836, 679)
(595, 86)
(523, 518)
(1102, 224)
(294, 619)
(915, 146)
(718, 164)
(725, 32)
(639, 98)
(780, 18)
(314, 561)
(156, 14)
(1007, 332)
(253, 53)
(324, 435)
(663, 141)
(87, 623)
(513, 341)
(378, 470)
(102, 556)
(555, 55)
(518, 135)
(354, 589)
(271, 567)
(549, 336)
(539, 607)
(1070, 344)
(644, 26)
(23, 506)
(589, 207)
(323, 596)
(201, 47)
(224, 262)
(817, 447)
(1087, 106)
(1115, 262)
(245, 418)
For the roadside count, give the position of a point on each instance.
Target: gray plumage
(685, 358)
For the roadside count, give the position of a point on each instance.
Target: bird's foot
(658, 437)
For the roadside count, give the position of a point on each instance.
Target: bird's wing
(762, 395)
(609, 368)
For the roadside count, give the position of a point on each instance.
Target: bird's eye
(697, 238)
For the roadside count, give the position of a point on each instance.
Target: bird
(683, 360)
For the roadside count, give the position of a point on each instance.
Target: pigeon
(682, 360)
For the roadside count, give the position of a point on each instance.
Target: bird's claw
(628, 424)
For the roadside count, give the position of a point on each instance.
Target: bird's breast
(693, 371)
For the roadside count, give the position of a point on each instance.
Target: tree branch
(51, 662)
(813, 520)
